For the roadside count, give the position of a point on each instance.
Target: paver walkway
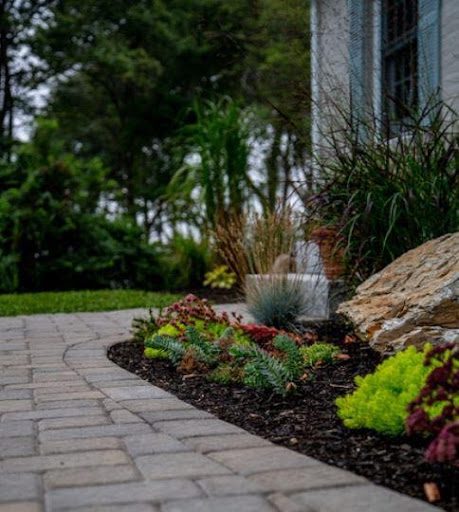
(79, 433)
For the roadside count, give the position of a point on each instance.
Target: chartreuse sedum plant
(381, 399)
(220, 277)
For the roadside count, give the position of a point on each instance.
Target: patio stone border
(79, 433)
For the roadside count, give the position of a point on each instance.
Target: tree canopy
(141, 94)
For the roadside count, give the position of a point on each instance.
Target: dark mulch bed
(306, 421)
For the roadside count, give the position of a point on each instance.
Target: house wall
(331, 69)
(330, 64)
(450, 52)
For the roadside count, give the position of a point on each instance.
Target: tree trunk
(6, 101)
(272, 170)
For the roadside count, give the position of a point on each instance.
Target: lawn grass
(72, 302)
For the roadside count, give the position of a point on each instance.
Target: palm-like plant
(217, 165)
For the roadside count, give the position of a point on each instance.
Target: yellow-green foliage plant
(319, 353)
(381, 398)
(166, 330)
(220, 277)
(155, 353)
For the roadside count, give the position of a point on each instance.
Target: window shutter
(429, 51)
(356, 9)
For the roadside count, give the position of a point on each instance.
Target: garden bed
(306, 420)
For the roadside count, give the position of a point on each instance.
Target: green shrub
(143, 328)
(213, 329)
(171, 330)
(220, 277)
(203, 350)
(292, 357)
(318, 353)
(186, 262)
(381, 399)
(276, 301)
(174, 349)
(263, 371)
(220, 136)
(54, 237)
(226, 374)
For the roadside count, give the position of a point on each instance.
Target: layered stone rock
(413, 300)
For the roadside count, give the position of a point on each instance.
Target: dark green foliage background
(83, 199)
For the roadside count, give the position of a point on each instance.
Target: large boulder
(413, 300)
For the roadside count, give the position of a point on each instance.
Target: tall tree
(278, 64)
(18, 67)
(128, 74)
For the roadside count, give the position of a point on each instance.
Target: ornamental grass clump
(276, 300)
(381, 399)
(389, 193)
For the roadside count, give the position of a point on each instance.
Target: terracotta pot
(331, 251)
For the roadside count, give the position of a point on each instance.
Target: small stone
(96, 431)
(19, 486)
(16, 428)
(135, 392)
(360, 498)
(228, 485)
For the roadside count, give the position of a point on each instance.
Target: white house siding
(330, 63)
(450, 52)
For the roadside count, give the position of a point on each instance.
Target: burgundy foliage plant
(435, 412)
(190, 309)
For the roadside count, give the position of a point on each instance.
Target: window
(400, 60)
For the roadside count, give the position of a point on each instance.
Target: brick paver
(79, 433)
